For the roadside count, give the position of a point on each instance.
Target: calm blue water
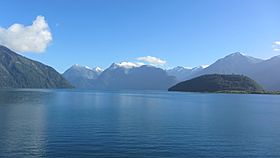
(73, 123)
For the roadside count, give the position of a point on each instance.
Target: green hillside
(218, 83)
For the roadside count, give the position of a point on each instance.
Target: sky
(165, 33)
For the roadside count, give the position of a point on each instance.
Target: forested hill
(218, 82)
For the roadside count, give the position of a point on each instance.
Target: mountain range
(17, 71)
(127, 76)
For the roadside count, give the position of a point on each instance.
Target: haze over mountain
(17, 71)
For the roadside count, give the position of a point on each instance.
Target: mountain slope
(215, 83)
(267, 73)
(81, 76)
(17, 71)
(235, 63)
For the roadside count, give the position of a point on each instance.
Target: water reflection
(22, 123)
(76, 123)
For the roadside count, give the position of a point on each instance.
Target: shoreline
(237, 92)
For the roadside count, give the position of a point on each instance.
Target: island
(221, 83)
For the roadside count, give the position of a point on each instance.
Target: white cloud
(276, 46)
(34, 38)
(277, 42)
(127, 64)
(152, 60)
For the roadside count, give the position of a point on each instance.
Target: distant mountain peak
(237, 57)
(180, 68)
(98, 69)
(80, 67)
(76, 65)
(87, 67)
(236, 54)
(182, 73)
(183, 68)
(198, 67)
(113, 66)
(80, 76)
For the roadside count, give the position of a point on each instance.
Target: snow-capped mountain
(124, 65)
(80, 76)
(98, 70)
(118, 76)
(82, 71)
(133, 76)
(183, 73)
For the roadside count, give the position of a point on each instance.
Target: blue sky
(181, 32)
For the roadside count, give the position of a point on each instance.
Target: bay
(88, 123)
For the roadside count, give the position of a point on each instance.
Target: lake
(84, 123)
